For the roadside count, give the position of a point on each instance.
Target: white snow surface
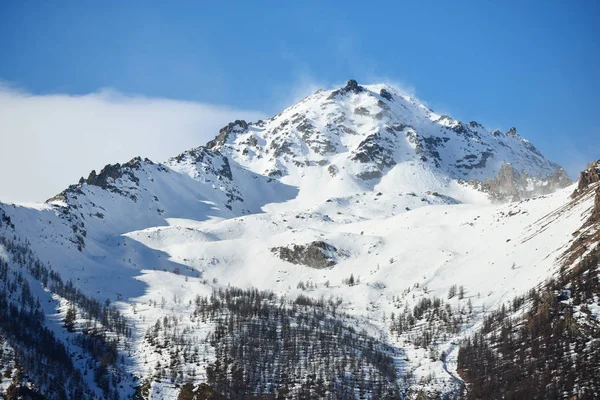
(412, 231)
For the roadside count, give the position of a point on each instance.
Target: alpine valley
(356, 245)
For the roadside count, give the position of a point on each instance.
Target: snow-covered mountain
(359, 204)
(369, 135)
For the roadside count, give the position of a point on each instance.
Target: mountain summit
(374, 128)
(371, 135)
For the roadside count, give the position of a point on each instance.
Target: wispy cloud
(48, 141)
(303, 84)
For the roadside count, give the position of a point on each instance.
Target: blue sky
(529, 64)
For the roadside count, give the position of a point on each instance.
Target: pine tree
(70, 318)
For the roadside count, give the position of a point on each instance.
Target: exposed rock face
(596, 211)
(558, 180)
(319, 143)
(112, 172)
(386, 95)
(238, 125)
(208, 165)
(333, 170)
(512, 185)
(590, 175)
(351, 87)
(426, 147)
(371, 150)
(471, 161)
(5, 220)
(505, 186)
(317, 254)
(512, 132)
(362, 111)
(376, 151)
(108, 177)
(211, 161)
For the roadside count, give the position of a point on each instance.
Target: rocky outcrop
(333, 170)
(385, 110)
(221, 139)
(505, 186)
(460, 128)
(590, 175)
(512, 132)
(212, 162)
(318, 142)
(558, 180)
(112, 172)
(351, 87)
(426, 147)
(5, 220)
(596, 211)
(317, 254)
(471, 161)
(513, 185)
(373, 150)
(362, 111)
(107, 179)
(386, 95)
(475, 125)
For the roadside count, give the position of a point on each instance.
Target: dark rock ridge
(426, 147)
(351, 87)
(596, 211)
(512, 132)
(590, 175)
(317, 254)
(362, 111)
(481, 163)
(386, 95)
(214, 165)
(319, 143)
(111, 172)
(107, 178)
(375, 149)
(221, 139)
(5, 220)
(512, 185)
(207, 158)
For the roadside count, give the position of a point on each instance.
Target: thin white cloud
(48, 141)
(303, 85)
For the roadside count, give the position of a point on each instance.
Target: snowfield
(381, 181)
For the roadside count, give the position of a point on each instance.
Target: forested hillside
(546, 345)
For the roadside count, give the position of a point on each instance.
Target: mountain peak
(237, 125)
(369, 131)
(351, 87)
(512, 132)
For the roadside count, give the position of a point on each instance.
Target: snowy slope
(368, 131)
(495, 253)
(363, 179)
